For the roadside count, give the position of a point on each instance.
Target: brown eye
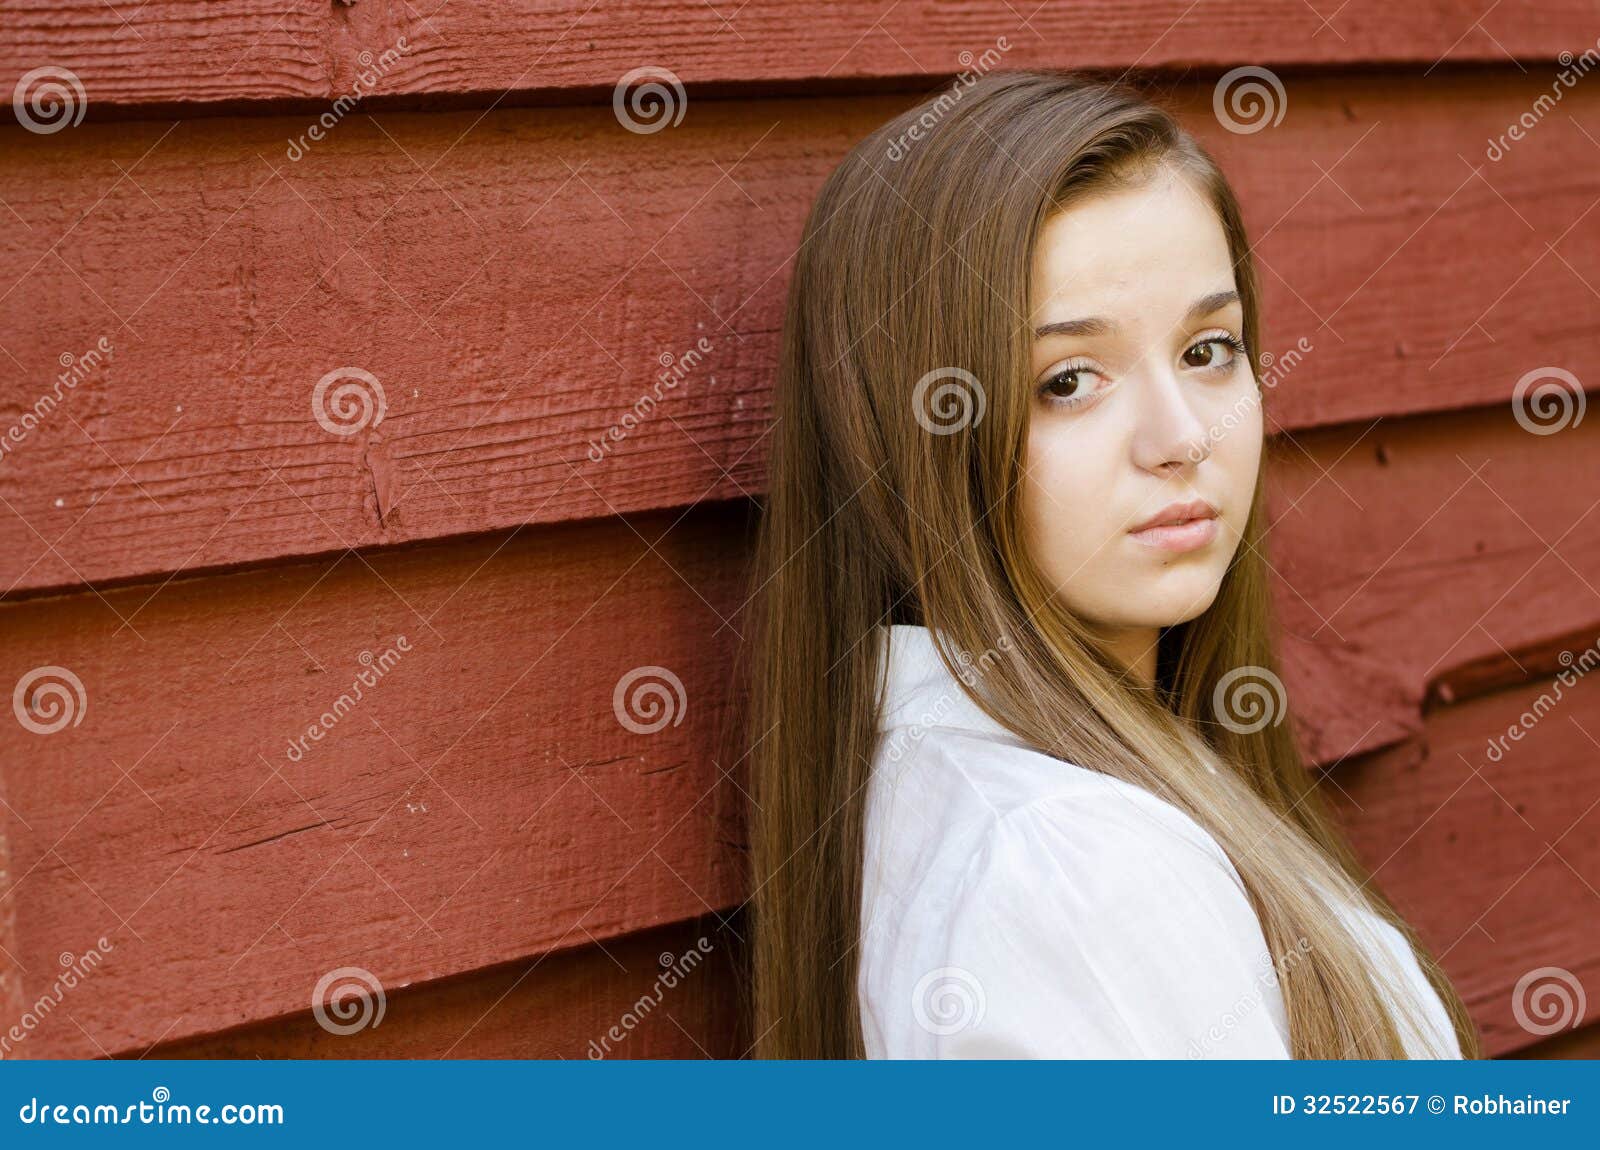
(1216, 352)
(1072, 385)
(1063, 384)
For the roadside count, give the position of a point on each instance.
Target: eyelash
(1227, 339)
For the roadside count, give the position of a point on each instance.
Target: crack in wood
(276, 837)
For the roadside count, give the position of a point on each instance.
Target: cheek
(1060, 504)
(1236, 454)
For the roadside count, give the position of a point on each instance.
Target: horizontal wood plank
(234, 53)
(640, 996)
(479, 801)
(568, 320)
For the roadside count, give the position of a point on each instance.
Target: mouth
(1179, 527)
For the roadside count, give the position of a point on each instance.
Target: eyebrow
(1097, 325)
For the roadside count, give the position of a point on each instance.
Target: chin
(1181, 596)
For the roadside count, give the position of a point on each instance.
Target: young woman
(1010, 799)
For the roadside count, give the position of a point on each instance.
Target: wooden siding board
(574, 1004)
(234, 54)
(514, 284)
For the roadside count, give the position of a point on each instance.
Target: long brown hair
(915, 267)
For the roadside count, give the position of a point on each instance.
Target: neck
(1134, 649)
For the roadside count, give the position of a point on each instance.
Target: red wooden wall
(479, 833)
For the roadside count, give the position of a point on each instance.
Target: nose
(1170, 434)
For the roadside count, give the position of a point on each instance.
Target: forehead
(1154, 248)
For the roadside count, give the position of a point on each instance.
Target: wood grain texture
(633, 997)
(1414, 553)
(1497, 864)
(519, 284)
(479, 802)
(233, 53)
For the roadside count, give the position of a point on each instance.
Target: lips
(1175, 514)
(1179, 527)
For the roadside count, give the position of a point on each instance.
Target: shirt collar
(920, 691)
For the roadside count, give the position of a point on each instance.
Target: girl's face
(1143, 408)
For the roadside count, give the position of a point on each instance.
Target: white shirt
(1018, 906)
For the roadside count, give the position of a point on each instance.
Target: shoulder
(1102, 847)
(1023, 807)
(1092, 923)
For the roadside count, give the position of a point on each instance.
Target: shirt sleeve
(1100, 926)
